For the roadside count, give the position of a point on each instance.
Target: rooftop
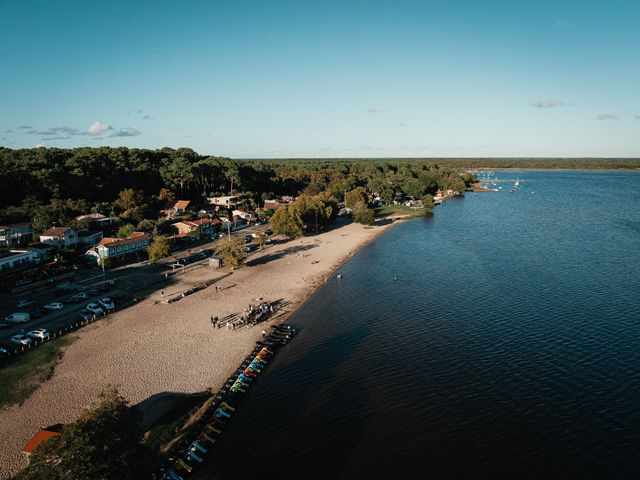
(55, 232)
(41, 436)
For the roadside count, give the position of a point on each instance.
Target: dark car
(4, 325)
(38, 312)
(85, 314)
(268, 232)
(94, 291)
(248, 239)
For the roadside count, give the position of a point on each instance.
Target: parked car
(4, 325)
(21, 340)
(107, 303)
(38, 312)
(54, 306)
(95, 309)
(86, 314)
(24, 303)
(19, 317)
(3, 350)
(248, 239)
(38, 334)
(79, 297)
(105, 287)
(94, 291)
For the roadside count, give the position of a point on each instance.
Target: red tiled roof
(181, 204)
(37, 439)
(200, 221)
(55, 232)
(134, 237)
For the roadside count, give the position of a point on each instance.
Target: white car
(21, 340)
(107, 303)
(24, 303)
(54, 306)
(95, 309)
(38, 334)
(19, 317)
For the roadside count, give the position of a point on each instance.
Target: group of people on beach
(251, 315)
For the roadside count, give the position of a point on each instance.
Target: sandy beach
(154, 348)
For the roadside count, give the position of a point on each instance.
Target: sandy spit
(154, 348)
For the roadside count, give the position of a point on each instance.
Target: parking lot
(89, 286)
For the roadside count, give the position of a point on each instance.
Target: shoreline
(130, 348)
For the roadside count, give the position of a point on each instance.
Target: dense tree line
(47, 185)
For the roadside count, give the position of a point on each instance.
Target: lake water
(508, 347)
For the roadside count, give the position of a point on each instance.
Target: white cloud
(550, 104)
(607, 116)
(97, 128)
(126, 132)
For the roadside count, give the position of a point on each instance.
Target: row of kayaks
(194, 451)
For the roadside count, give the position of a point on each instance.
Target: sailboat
(517, 184)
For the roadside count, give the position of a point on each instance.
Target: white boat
(517, 184)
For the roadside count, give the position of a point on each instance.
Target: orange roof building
(41, 436)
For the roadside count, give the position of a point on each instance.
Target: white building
(60, 237)
(15, 234)
(18, 258)
(229, 202)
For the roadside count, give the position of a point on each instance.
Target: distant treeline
(587, 163)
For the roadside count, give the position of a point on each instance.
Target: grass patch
(20, 377)
(398, 209)
(165, 429)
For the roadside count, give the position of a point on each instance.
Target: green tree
(44, 218)
(159, 248)
(231, 251)
(362, 214)
(104, 443)
(146, 225)
(125, 230)
(427, 203)
(261, 240)
(354, 197)
(287, 221)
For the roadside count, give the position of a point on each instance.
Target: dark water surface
(509, 347)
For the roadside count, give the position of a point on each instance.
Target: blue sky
(323, 78)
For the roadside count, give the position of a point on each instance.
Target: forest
(51, 185)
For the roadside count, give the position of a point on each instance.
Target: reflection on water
(507, 348)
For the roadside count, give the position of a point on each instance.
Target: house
(203, 227)
(179, 207)
(14, 259)
(245, 215)
(89, 238)
(229, 202)
(60, 237)
(15, 234)
(94, 220)
(42, 435)
(119, 248)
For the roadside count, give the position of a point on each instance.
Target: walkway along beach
(154, 348)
